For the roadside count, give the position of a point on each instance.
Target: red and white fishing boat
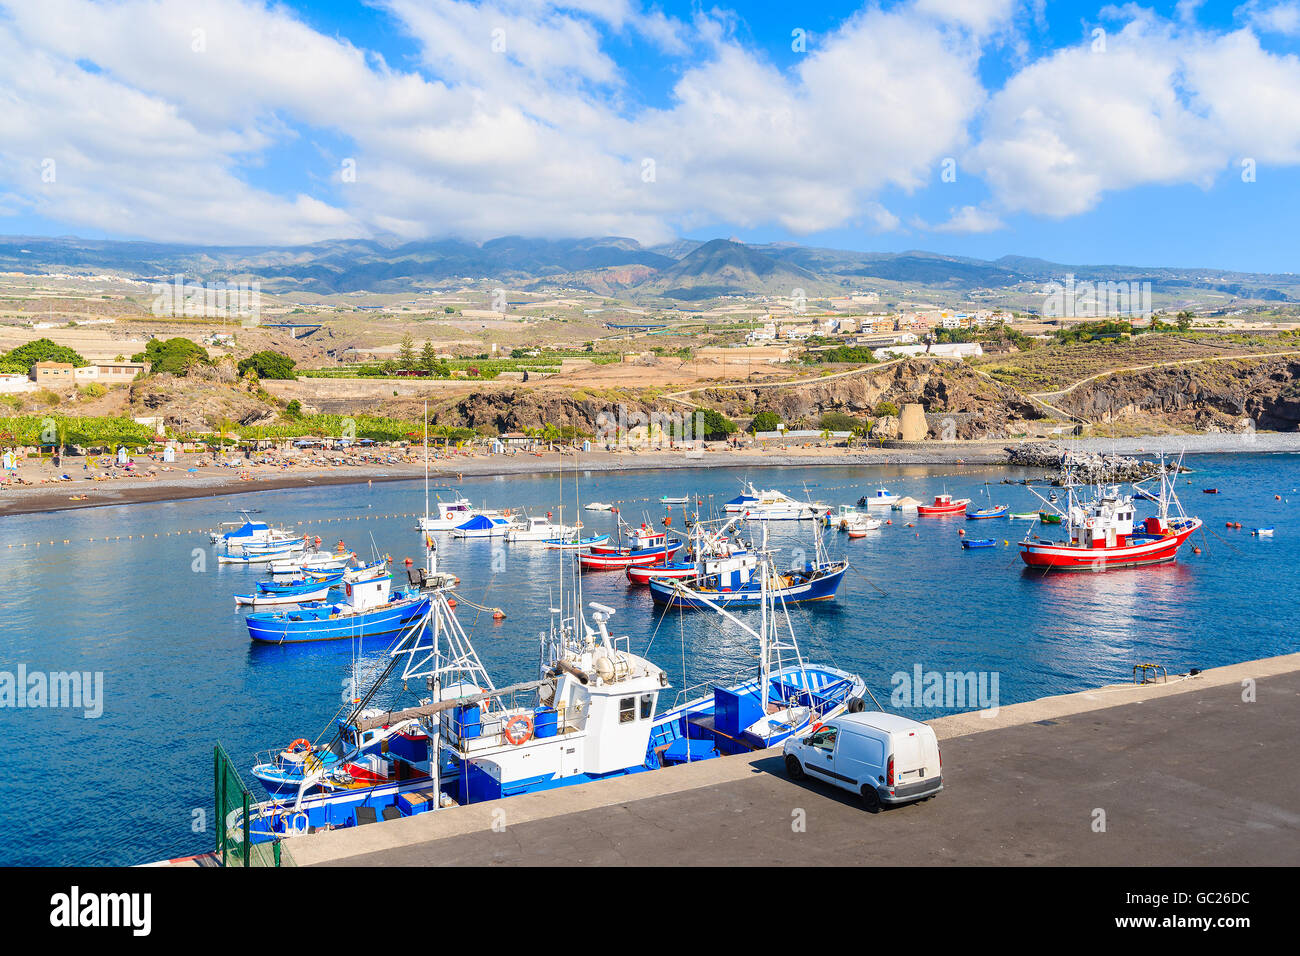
(708, 540)
(1101, 535)
(943, 505)
(648, 547)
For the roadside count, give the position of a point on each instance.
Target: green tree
(429, 358)
(24, 357)
(293, 409)
(406, 354)
(886, 409)
(269, 365)
(715, 425)
(765, 422)
(839, 422)
(175, 356)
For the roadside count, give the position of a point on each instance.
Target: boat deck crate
(733, 712)
(413, 803)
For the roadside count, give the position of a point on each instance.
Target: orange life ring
(302, 743)
(527, 733)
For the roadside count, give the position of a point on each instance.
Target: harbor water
(135, 594)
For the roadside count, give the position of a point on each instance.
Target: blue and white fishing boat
(369, 610)
(590, 541)
(789, 696)
(882, 497)
(731, 581)
(997, 511)
(969, 543)
(588, 717)
(304, 589)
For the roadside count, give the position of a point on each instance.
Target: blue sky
(1158, 134)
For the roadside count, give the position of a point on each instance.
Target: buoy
(961, 531)
(889, 521)
(1277, 497)
(408, 562)
(1228, 524)
(1236, 524)
(1196, 550)
(451, 602)
(498, 615)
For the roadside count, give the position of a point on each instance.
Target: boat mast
(764, 667)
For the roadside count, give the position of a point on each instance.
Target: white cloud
(1160, 105)
(543, 135)
(970, 219)
(1282, 18)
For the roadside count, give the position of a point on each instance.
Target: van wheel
(870, 799)
(793, 767)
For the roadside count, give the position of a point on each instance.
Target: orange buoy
(498, 615)
(1196, 550)
(961, 531)
(408, 562)
(451, 602)
(1236, 524)
(889, 521)
(1228, 524)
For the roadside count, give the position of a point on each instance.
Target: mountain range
(683, 270)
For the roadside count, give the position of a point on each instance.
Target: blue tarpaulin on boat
(742, 500)
(476, 523)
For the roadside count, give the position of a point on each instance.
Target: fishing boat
(314, 560)
(674, 500)
(943, 506)
(647, 547)
(589, 717)
(773, 506)
(576, 543)
(882, 497)
(598, 506)
(304, 589)
(1024, 516)
(369, 610)
(1049, 517)
(858, 526)
(345, 762)
(1262, 532)
(788, 696)
(486, 524)
(247, 532)
(840, 519)
(732, 581)
(1101, 533)
(996, 511)
(540, 530)
(969, 543)
(257, 556)
(709, 539)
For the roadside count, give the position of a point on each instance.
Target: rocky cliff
(1209, 396)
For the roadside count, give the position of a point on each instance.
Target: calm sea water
(180, 673)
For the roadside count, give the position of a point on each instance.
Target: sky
(1160, 135)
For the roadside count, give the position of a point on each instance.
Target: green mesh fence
(237, 815)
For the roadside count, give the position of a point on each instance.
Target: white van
(883, 757)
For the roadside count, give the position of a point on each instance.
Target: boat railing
(705, 688)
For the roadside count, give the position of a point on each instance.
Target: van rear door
(909, 757)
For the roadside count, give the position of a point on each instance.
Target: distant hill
(684, 270)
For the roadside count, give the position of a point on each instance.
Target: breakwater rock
(1084, 466)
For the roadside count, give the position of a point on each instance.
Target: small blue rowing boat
(998, 511)
(595, 539)
(978, 543)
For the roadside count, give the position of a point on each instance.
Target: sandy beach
(197, 476)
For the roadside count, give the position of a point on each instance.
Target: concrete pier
(1187, 772)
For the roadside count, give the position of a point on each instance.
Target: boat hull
(1141, 551)
(821, 588)
(289, 628)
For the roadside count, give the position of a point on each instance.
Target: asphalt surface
(1194, 778)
